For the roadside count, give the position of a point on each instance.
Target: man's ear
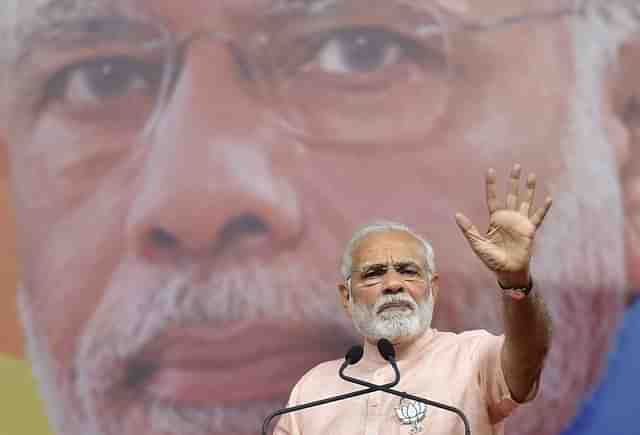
(344, 298)
(435, 288)
(622, 122)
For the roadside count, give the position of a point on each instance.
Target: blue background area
(614, 406)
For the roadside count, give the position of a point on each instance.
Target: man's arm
(506, 250)
(527, 340)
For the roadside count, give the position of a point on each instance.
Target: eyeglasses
(325, 80)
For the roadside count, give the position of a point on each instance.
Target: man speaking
(390, 289)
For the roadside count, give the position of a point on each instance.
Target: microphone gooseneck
(388, 353)
(353, 356)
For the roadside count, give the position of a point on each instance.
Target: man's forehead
(385, 246)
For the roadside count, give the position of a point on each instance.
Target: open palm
(506, 247)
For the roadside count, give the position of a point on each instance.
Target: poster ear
(622, 120)
(12, 342)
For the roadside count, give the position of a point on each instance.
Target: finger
(539, 215)
(525, 207)
(492, 200)
(514, 183)
(468, 229)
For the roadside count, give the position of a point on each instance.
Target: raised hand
(506, 247)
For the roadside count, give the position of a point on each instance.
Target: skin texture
(150, 239)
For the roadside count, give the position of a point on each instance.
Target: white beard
(392, 325)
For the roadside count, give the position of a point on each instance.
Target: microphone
(353, 356)
(386, 349)
(388, 353)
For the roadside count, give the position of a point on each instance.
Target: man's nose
(393, 283)
(208, 183)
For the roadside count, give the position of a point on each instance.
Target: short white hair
(384, 226)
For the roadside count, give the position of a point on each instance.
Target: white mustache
(387, 300)
(250, 293)
(104, 360)
(401, 298)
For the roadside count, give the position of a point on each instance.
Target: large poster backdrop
(185, 174)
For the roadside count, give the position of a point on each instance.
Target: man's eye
(98, 80)
(407, 270)
(361, 50)
(373, 273)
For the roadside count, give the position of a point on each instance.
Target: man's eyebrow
(369, 266)
(405, 263)
(70, 23)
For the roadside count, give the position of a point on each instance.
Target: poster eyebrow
(77, 23)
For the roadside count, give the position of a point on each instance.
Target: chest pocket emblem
(410, 412)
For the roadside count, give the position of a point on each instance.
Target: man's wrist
(515, 279)
(515, 291)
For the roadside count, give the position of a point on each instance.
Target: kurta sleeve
(500, 401)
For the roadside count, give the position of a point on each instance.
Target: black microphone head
(354, 355)
(386, 349)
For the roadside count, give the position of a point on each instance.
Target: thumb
(468, 229)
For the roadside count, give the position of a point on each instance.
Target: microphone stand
(371, 388)
(389, 390)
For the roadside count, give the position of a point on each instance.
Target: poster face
(185, 176)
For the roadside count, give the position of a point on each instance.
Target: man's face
(185, 174)
(388, 294)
